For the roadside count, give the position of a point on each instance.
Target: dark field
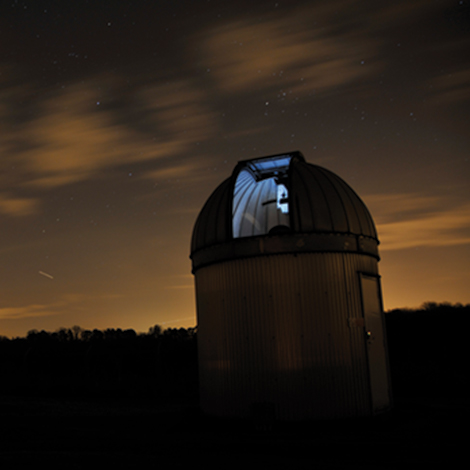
(61, 434)
(130, 402)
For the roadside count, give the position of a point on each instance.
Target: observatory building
(289, 306)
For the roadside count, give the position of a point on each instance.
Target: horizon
(425, 306)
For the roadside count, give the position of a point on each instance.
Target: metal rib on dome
(323, 202)
(213, 225)
(281, 194)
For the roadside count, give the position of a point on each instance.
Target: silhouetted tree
(86, 335)
(155, 331)
(76, 332)
(428, 352)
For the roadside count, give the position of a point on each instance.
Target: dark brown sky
(119, 118)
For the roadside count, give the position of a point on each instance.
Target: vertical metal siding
(284, 329)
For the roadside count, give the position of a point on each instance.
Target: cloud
(178, 108)
(76, 134)
(300, 52)
(29, 311)
(189, 173)
(409, 221)
(66, 303)
(450, 88)
(172, 173)
(74, 138)
(17, 206)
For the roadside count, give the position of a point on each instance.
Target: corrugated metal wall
(284, 330)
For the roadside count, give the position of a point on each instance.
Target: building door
(376, 345)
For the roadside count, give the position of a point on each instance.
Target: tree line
(428, 356)
(107, 364)
(429, 353)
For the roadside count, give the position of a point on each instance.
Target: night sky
(119, 118)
